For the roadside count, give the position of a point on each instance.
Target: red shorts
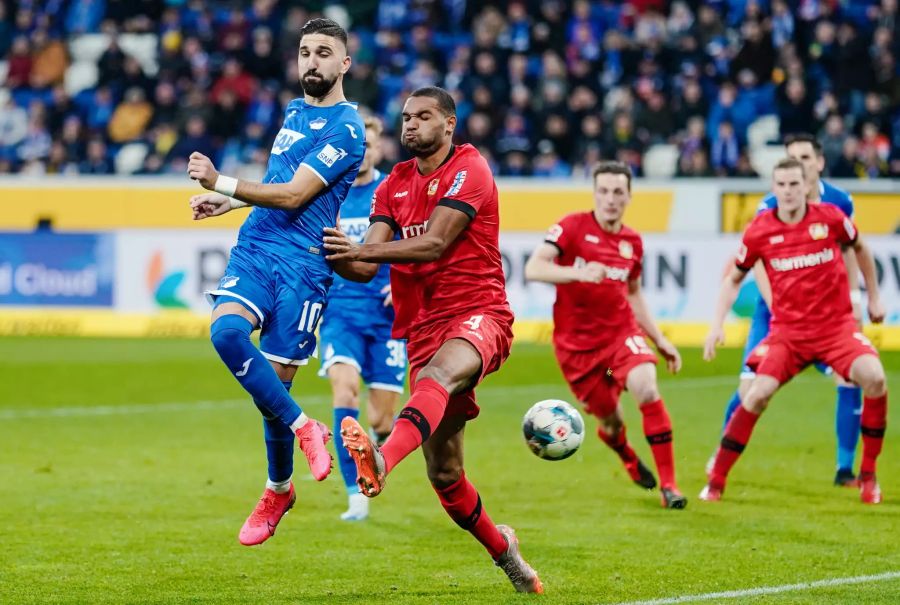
(490, 335)
(782, 356)
(597, 377)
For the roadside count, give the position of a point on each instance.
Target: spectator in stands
(832, 140)
(848, 165)
(97, 160)
(131, 117)
(725, 151)
(795, 108)
(19, 70)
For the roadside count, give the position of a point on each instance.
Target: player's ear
(451, 125)
(346, 62)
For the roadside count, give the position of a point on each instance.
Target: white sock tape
(225, 185)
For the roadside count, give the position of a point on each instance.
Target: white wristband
(235, 204)
(856, 296)
(225, 185)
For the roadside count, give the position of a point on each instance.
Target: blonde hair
(374, 124)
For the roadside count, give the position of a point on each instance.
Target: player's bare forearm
(643, 317)
(728, 293)
(852, 268)
(424, 248)
(542, 270)
(282, 196)
(867, 267)
(762, 283)
(355, 270)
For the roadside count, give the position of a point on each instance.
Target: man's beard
(421, 149)
(317, 88)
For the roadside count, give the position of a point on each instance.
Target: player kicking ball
(356, 333)
(599, 321)
(277, 277)
(800, 247)
(450, 302)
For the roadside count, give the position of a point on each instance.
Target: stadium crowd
(543, 87)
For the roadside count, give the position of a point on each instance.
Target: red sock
(416, 421)
(735, 439)
(874, 421)
(658, 429)
(463, 504)
(618, 444)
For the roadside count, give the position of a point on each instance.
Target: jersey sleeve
(560, 234)
(381, 209)
(844, 227)
(638, 265)
(339, 150)
(749, 252)
(471, 188)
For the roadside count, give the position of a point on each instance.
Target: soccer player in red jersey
(450, 300)
(812, 318)
(599, 322)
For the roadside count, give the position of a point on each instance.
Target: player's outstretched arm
(728, 293)
(303, 187)
(359, 271)
(645, 320)
(542, 266)
(444, 226)
(762, 282)
(867, 267)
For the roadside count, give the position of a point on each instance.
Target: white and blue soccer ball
(553, 429)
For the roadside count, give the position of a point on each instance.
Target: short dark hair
(445, 102)
(326, 27)
(612, 167)
(803, 137)
(788, 164)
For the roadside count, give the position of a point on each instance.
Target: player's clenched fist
(593, 272)
(200, 168)
(206, 205)
(876, 310)
(673, 357)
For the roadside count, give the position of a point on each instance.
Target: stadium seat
(88, 47)
(764, 158)
(660, 161)
(130, 158)
(763, 131)
(144, 48)
(81, 75)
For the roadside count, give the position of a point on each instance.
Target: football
(553, 429)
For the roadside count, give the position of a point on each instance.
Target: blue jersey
(829, 194)
(330, 141)
(355, 222)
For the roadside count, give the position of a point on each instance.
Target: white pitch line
(767, 590)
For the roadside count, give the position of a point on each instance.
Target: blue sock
(847, 421)
(279, 444)
(230, 335)
(733, 404)
(348, 468)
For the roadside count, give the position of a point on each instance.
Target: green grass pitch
(128, 466)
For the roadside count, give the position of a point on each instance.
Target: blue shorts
(759, 329)
(286, 296)
(351, 336)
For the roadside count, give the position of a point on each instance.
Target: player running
(806, 149)
(450, 300)
(356, 333)
(800, 246)
(599, 321)
(277, 276)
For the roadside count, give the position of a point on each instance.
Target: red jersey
(810, 290)
(468, 278)
(586, 316)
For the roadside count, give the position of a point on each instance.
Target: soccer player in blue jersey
(355, 335)
(277, 277)
(807, 150)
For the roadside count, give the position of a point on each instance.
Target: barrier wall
(125, 259)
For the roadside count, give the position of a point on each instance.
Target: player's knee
(875, 385)
(755, 403)
(646, 393)
(229, 331)
(444, 475)
(611, 425)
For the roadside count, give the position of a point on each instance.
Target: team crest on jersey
(625, 250)
(285, 139)
(818, 231)
(432, 186)
(318, 123)
(457, 184)
(329, 155)
(229, 281)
